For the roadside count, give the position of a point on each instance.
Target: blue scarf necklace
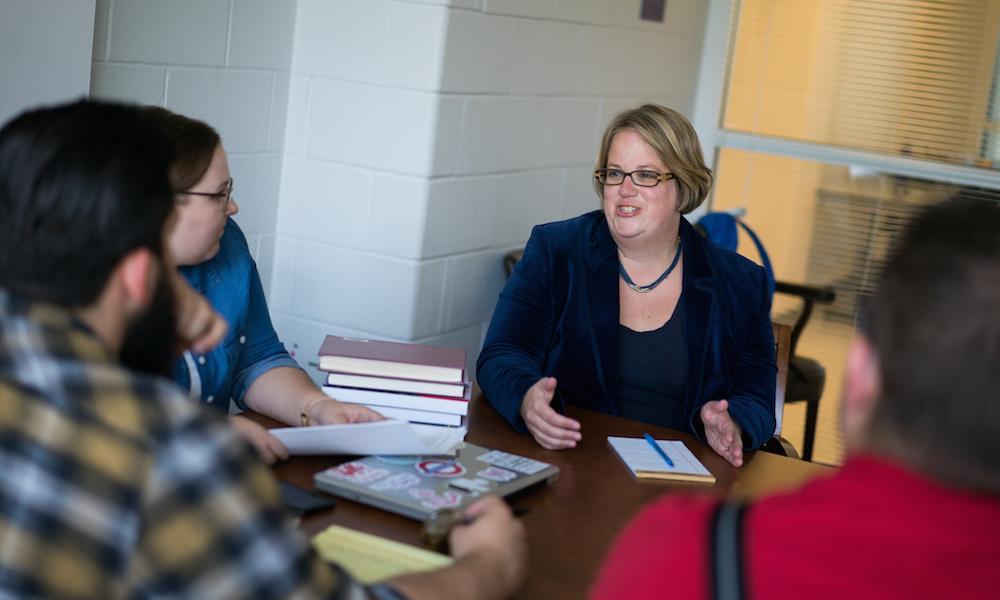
(642, 289)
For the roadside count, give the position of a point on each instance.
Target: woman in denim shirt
(251, 366)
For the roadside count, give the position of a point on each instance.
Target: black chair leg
(812, 412)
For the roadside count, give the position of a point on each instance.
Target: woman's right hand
(549, 428)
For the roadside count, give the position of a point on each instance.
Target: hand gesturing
(722, 432)
(549, 428)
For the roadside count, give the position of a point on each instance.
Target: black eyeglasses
(226, 196)
(642, 177)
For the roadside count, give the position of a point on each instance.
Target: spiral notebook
(645, 463)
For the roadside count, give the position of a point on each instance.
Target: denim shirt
(232, 285)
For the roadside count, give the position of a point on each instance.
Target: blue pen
(659, 450)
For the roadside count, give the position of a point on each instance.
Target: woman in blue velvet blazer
(693, 349)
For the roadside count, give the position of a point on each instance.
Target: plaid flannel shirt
(114, 484)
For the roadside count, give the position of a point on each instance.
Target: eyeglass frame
(227, 195)
(659, 176)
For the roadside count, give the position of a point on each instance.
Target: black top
(652, 373)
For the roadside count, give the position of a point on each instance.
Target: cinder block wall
(223, 61)
(426, 138)
(387, 153)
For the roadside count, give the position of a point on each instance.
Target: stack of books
(409, 382)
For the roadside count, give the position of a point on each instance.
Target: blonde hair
(675, 142)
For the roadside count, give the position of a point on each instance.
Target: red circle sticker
(440, 468)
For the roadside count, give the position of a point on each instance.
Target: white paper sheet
(381, 437)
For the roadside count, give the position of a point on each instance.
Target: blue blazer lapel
(700, 309)
(603, 311)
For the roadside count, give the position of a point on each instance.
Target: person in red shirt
(915, 510)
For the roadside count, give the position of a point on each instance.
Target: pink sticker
(433, 500)
(497, 474)
(473, 486)
(421, 493)
(357, 472)
(399, 481)
(440, 468)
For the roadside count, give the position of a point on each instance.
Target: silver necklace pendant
(642, 289)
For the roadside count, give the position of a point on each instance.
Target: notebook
(370, 558)
(645, 463)
(417, 486)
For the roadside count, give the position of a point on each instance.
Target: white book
(417, 416)
(389, 384)
(452, 406)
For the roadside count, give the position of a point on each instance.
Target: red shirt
(873, 530)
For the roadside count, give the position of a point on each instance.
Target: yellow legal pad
(370, 558)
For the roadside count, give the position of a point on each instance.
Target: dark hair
(935, 323)
(194, 145)
(81, 186)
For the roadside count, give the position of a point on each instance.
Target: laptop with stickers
(417, 486)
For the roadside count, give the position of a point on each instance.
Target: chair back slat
(782, 351)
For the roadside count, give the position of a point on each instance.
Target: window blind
(903, 77)
(899, 78)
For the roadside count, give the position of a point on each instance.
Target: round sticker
(440, 468)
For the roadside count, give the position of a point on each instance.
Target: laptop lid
(416, 486)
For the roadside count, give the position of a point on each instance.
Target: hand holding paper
(381, 437)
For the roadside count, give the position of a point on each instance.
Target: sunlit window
(839, 119)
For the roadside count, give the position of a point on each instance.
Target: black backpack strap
(726, 558)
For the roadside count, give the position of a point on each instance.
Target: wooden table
(571, 523)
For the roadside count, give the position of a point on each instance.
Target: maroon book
(392, 359)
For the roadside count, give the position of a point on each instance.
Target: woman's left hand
(330, 412)
(722, 432)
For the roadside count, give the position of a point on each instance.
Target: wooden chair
(782, 353)
(806, 376)
(510, 259)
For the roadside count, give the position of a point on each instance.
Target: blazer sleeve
(517, 342)
(751, 403)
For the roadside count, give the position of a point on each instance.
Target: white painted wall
(425, 138)
(45, 52)
(223, 61)
(387, 153)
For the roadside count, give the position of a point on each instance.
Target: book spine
(391, 384)
(416, 416)
(453, 406)
(394, 352)
(399, 370)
